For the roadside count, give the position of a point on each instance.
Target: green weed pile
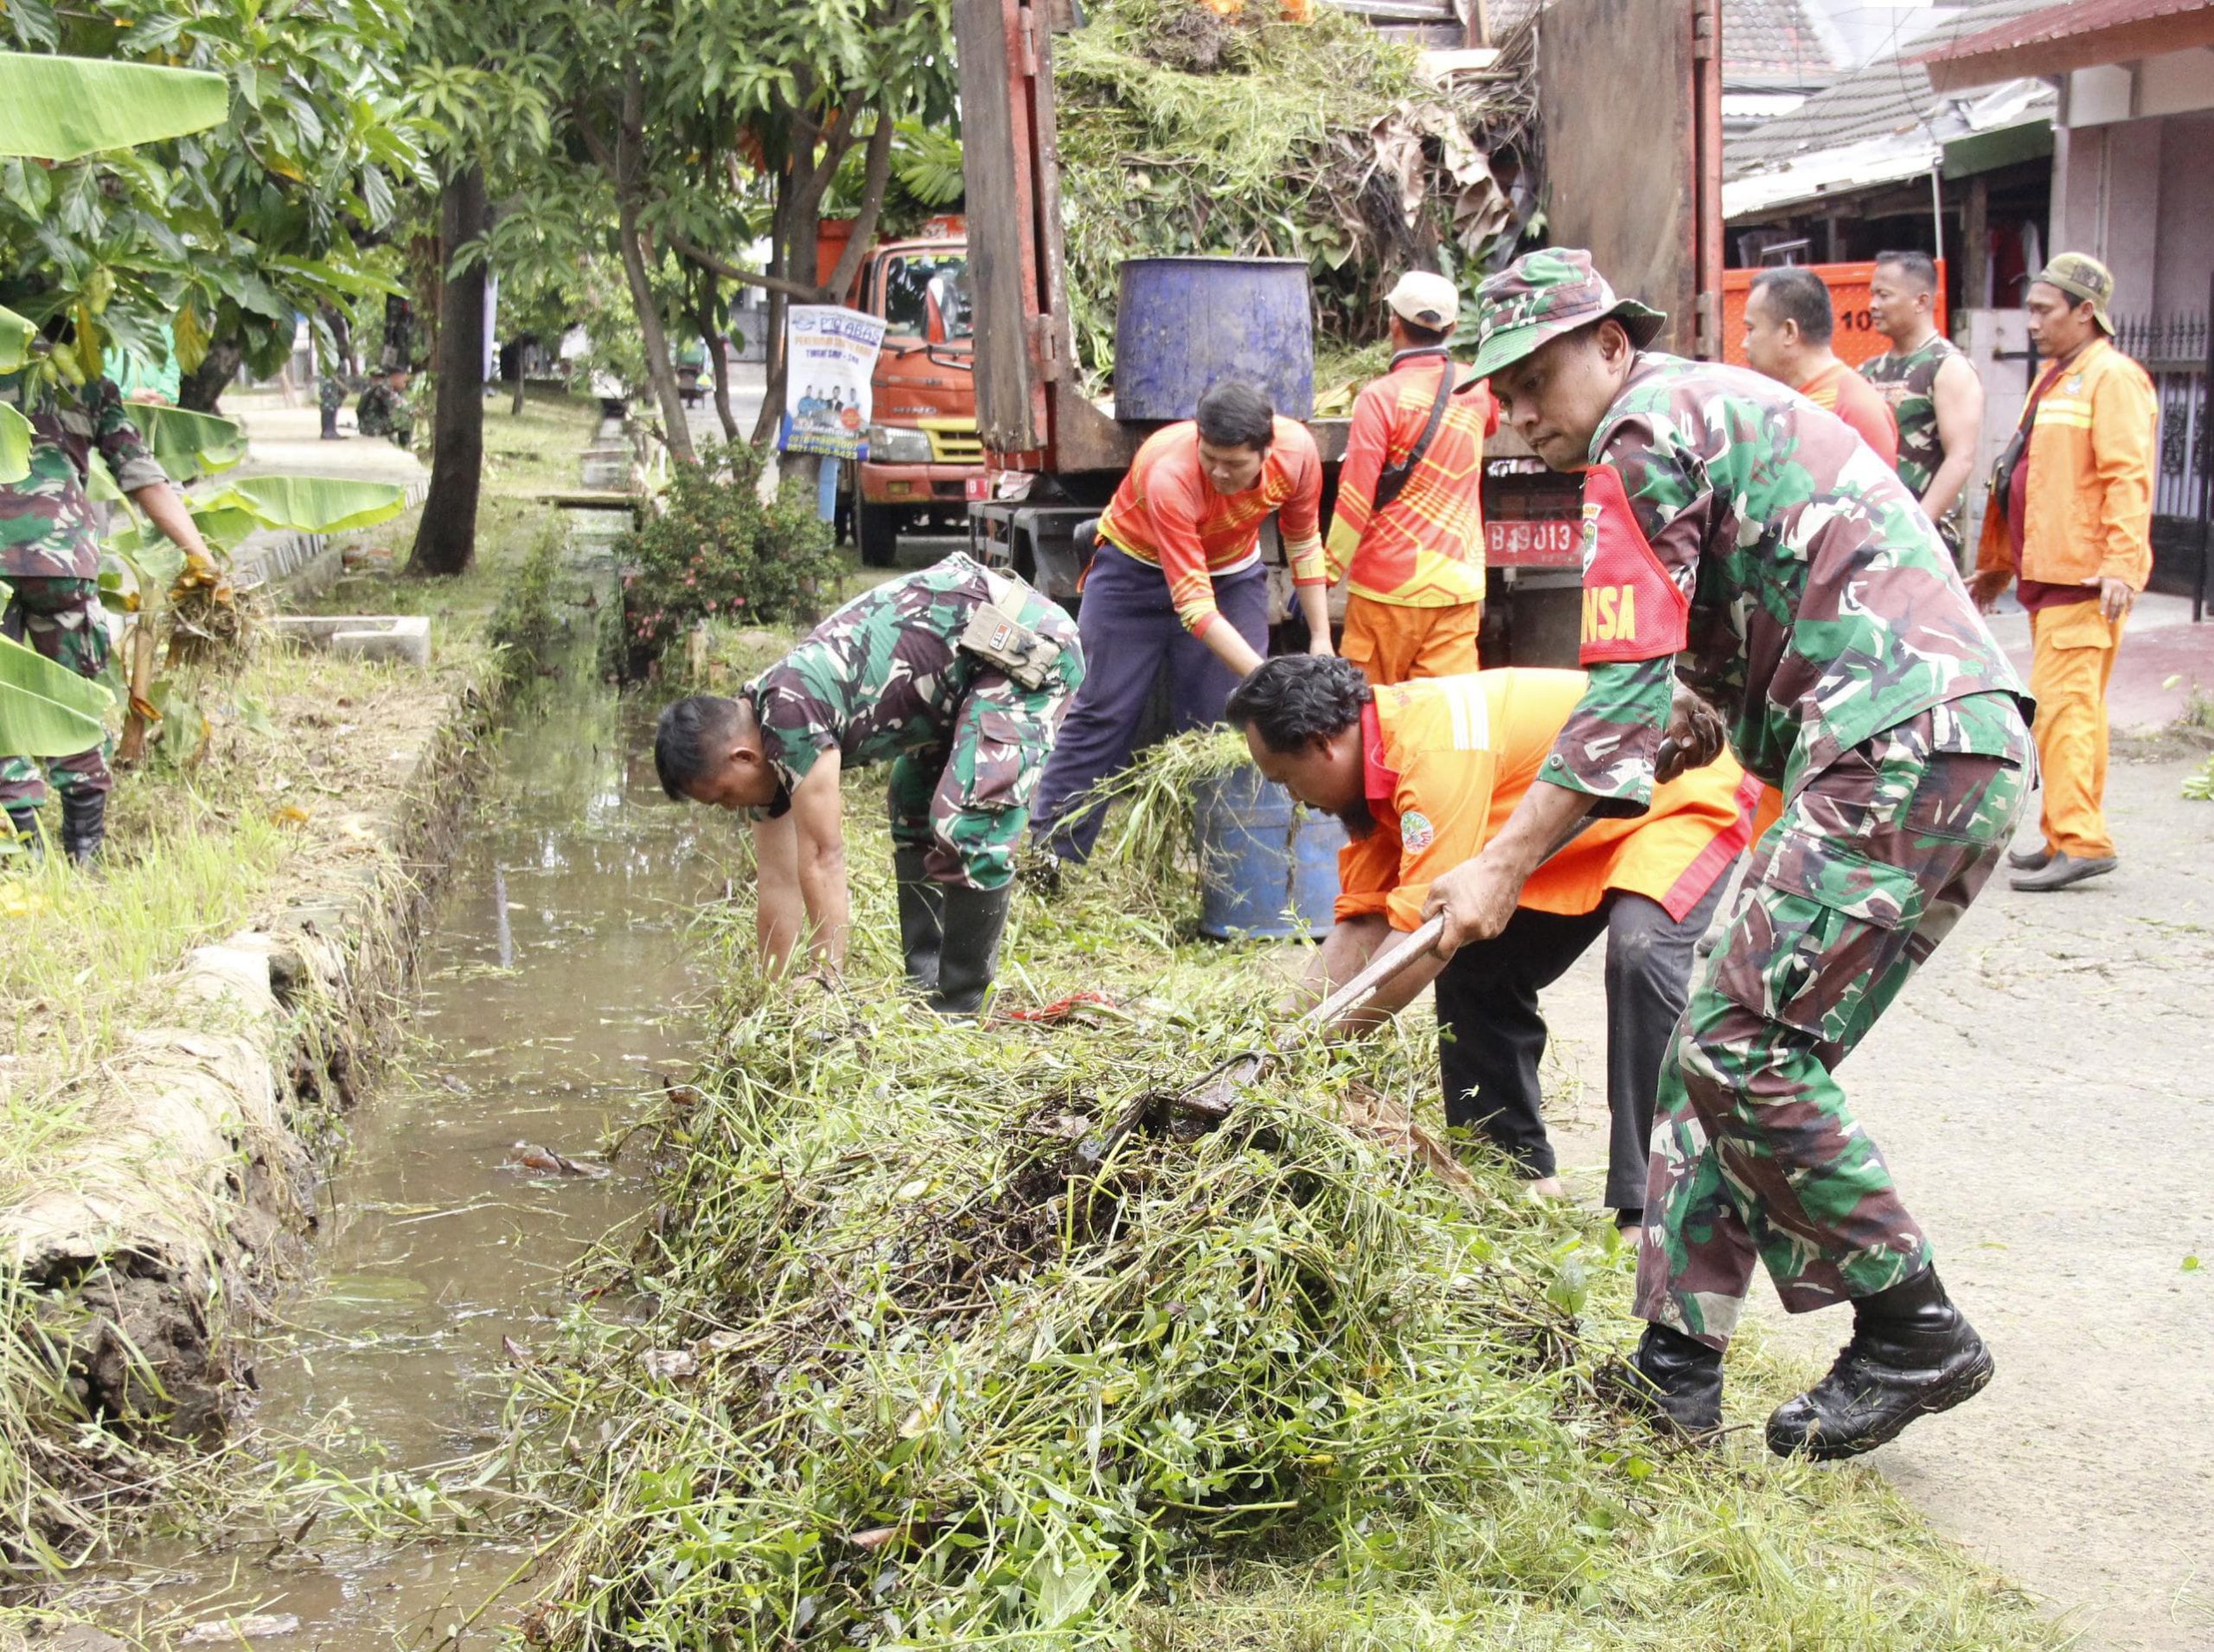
(1184, 131)
(917, 1354)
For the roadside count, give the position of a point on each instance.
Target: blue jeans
(1131, 630)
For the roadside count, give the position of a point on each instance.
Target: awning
(1830, 172)
(2078, 36)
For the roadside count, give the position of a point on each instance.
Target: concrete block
(401, 639)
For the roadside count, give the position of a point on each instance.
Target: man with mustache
(1423, 773)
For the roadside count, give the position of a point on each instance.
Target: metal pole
(2204, 443)
(1937, 207)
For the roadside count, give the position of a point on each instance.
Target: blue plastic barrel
(1265, 870)
(1182, 323)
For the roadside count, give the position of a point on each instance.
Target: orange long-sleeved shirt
(1168, 514)
(1426, 548)
(1840, 390)
(1446, 759)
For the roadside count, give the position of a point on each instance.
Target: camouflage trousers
(62, 619)
(1754, 1151)
(330, 393)
(966, 802)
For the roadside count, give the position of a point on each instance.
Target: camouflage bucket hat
(2082, 277)
(1544, 294)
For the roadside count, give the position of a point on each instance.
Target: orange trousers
(2071, 659)
(1393, 643)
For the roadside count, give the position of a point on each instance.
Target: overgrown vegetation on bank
(917, 1352)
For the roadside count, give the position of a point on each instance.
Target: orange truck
(922, 449)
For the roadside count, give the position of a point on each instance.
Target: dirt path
(2043, 1092)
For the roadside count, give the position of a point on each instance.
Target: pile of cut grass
(900, 1363)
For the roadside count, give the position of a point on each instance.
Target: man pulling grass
(1421, 774)
(1731, 522)
(959, 677)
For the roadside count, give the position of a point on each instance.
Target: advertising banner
(832, 351)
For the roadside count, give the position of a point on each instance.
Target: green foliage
(526, 624)
(65, 109)
(227, 234)
(2200, 787)
(715, 551)
(1183, 131)
(46, 710)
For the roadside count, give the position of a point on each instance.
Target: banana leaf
(17, 333)
(305, 504)
(46, 710)
(15, 446)
(62, 108)
(189, 444)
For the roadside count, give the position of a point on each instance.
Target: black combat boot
(1676, 1381)
(84, 825)
(922, 918)
(971, 954)
(1912, 1354)
(23, 823)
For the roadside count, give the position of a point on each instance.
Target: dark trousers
(1490, 1035)
(1130, 631)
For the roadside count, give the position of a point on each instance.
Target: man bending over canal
(956, 674)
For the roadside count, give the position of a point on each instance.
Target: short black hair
(687, 739)
(1237, 414)
(1799, 294)
(1423, 337)
(1297, 698)
(1918, 267)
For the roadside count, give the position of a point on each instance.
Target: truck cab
(922, 447)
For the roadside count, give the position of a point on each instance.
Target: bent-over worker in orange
(1422, 774)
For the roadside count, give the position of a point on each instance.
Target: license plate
(1554, 543)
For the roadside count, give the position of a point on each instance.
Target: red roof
(2074, 36)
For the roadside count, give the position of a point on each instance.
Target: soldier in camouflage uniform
(1931, 386)
(956, 674)
(50, 561)
(1734, 524)
(383, 409)
(329, 397)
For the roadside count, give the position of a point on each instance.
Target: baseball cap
(2081, 277)
(1544, 294)
(1425, 299)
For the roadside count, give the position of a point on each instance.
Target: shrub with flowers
(715, 551)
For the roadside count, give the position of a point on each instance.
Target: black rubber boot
(1912, 1354)
(1676, 1381)
(23, 823)
(971, 954)
(330, 431)
(84, 825)
(921, 919)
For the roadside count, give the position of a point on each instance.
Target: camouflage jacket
(1728, 520)
(1908, 379)
(383, 411)
(48, 529)
(886, 673)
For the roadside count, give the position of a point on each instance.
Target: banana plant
(46, 710)
(200, 600)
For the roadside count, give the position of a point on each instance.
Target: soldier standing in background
(1728, 522)
(958, 676)
(1931, 387)
(50, 559)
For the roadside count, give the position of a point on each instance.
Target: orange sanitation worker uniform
(1166, 514)
(1448, 758)
(2080, 510)
(1840, 390)
(1414, 568)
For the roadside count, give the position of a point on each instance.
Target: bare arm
(822, 857)
(1226, 644)
(1478, 896)
(779, 917)
(167, 512)
(1314, 603)
(1958, 394)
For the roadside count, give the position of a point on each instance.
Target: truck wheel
(876, 530)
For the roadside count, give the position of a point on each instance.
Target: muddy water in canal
(554, 982)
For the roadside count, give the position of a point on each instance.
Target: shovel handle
(1373, 975)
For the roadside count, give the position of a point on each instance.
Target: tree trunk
(629, 188)
(718, 337)
(199, 390)
(445, 540)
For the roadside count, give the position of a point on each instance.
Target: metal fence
(2173, 350)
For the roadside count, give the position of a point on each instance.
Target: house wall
(2133, 194)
